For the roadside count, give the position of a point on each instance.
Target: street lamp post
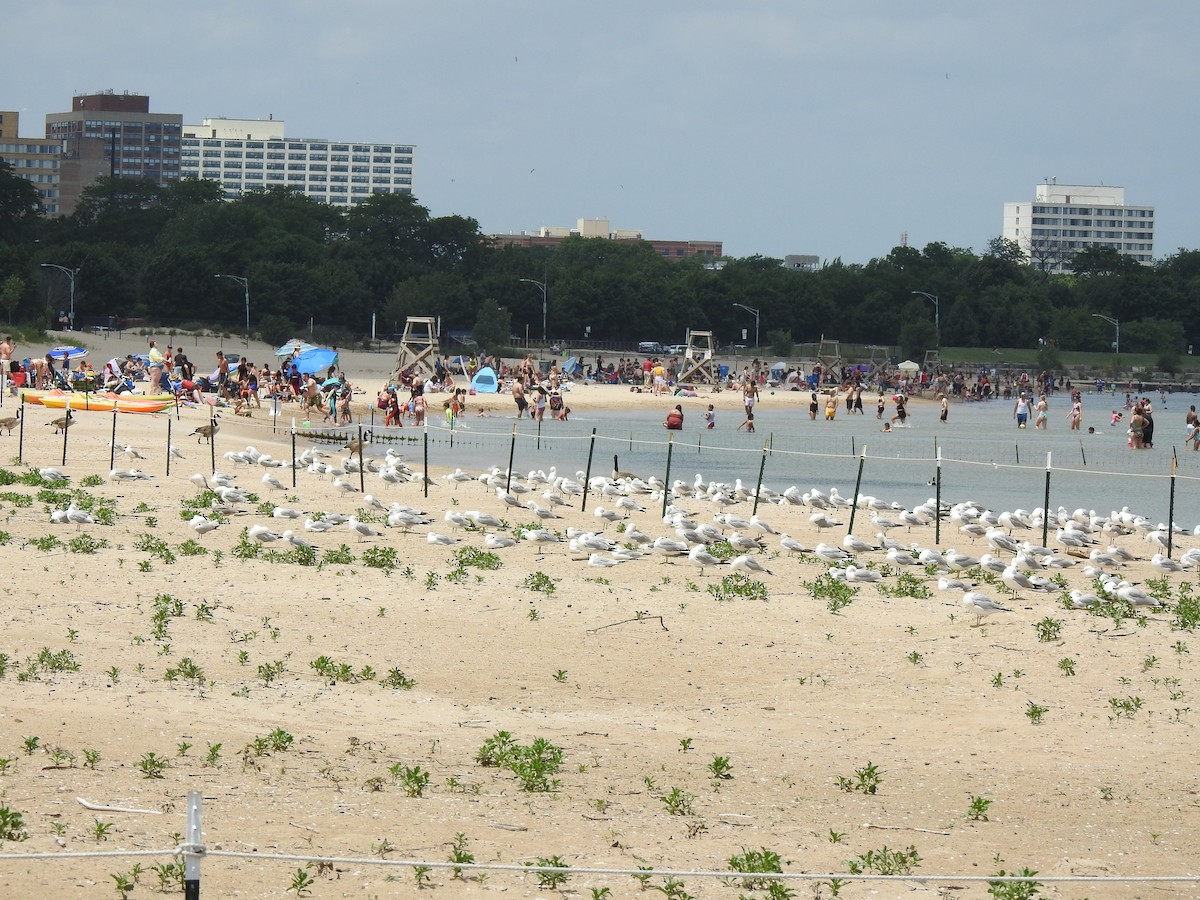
(937, 314)
(245, 283)
(1115, 322)
(542, 285)
(70, 273)
(754, 312)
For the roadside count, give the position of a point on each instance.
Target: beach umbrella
(67, 352)
(908, 366)
(330, 381)
(317, 359)
(291, 346)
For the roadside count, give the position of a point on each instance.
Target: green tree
(19, 204)
(493, 327)
(11, 291)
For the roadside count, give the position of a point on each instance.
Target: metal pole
(539, 434)
(212, 442)
(362, 484)
(1171, 505)
(937, 503)
(1082, 452)
(512, 449)
(194, 848)
(587, 475)
(857, 483)
(1018, 448)
(21, 433)
(293, 453)
(112, 445)
(667, 478)
(425, 476)
(66, 428)
(762, 465)
(1046, 506)
(168, 444)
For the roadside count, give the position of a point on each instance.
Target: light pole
(754, 312)
(245, 283)
(1111, 321)
(937, 314)
(542, 285)
(71, 273)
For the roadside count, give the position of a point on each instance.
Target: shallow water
(984, 456)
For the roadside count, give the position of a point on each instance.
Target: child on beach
(879, 407)
(1117, 416)
(749, 423)
(710, 418)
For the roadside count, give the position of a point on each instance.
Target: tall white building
(1066, 218)
(249, 154)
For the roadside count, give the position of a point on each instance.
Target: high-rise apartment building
(252, 154)
(34, 159)
(1066, 218)
(113, 134)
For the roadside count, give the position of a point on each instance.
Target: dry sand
(655, 678)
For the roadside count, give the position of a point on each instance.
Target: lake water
(985, 457)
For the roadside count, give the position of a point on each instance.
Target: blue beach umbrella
(67, 353)
(318, 359)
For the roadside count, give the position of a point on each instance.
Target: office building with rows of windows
(1066, 218)
(34, 159)
(113, 134)
(253, 154)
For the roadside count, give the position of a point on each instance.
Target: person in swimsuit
(1021, 410)
(812, 406)
(1043, 413)
(1076, 415)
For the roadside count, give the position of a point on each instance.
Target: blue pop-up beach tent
(485, 381)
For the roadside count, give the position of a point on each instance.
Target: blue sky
(826, 128)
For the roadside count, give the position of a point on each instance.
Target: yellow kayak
(106, 403)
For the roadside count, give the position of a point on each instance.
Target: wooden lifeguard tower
(698, 360)
(829, 355)
(419, 347)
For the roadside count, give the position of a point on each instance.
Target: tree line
(151, 252)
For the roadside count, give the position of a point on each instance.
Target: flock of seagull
(1020, 565)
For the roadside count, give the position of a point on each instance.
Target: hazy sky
(789, 127)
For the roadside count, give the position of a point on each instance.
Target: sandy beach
(336, 703)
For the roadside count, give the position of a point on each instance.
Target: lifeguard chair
(829, 355)
(419, 347)
(878, 361)
(698, 360)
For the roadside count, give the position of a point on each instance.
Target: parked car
(651, 348)
(676, 350)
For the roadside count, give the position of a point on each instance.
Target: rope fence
(787, 456)
(193, 852)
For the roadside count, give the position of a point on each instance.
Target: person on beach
(674, 421)
(945, 410)
(157, 361)
(710, 418)
(813, 406)
(749, 398)
(858, 407)
(749, 423)
(1076, 415)
(1192, 421)
(880, 407)
(7, 347)
(1148, 428)
(1043, 413)
(1137, 428)
(1021, 410)
(518, 395)
(901, 410)
(831, 407)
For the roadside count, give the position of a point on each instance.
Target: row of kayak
(99, 402)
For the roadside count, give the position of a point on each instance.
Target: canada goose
(10, 422)
(62, 423)
(207, 431)
(617, 473)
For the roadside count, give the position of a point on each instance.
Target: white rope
(195, 850)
